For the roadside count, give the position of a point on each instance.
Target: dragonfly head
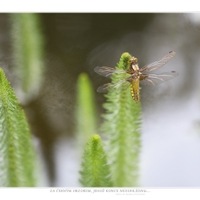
(134, 63)
(133, 60)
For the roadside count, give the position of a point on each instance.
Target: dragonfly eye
(133, 60)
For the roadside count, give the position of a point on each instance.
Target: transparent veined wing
(159, 63)
(120, 85)
(108, 71)
(155, 79)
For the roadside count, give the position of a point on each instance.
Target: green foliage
(28, 52)
(122, 127)
(85, 109)
(17, 158)
(95, 171)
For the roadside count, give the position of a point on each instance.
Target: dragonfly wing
(120, 85)
(155, 79)
(107, 71)
(159, 63)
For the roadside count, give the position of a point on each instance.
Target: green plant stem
(86, 115)
(17, 157)
(122, 127)
(28, 52)
(95, 170)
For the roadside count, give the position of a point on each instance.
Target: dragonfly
(136, 75)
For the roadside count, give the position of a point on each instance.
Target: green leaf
(28, 52)
(122, 127)
(86, 115)
(95, 170)
(17, 158)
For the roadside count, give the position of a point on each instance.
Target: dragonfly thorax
(135, 67)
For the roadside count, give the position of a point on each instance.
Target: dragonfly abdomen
(135, 90)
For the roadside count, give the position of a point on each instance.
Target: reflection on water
(78, 43)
